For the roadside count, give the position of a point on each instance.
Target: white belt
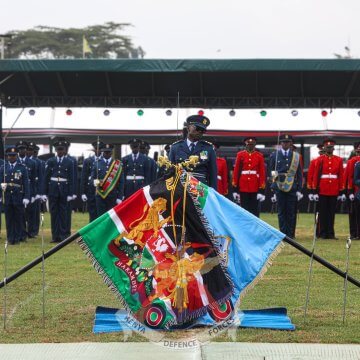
(59, 179)
(329, 176)
(219, 177)
(130, 177)
(249, 172)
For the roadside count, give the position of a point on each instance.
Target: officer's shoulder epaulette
(207, 142)
(176, 142)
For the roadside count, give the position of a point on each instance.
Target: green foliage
(74, 289)
(105, 41)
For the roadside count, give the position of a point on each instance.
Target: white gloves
(299, 195)
(3, 186)
(236, 197)
(26, 202)
(316, 197)
(273, 198)
(96, 182)
(43, 198)
(83, 197)
(260, 197)
(311, 197)
(37, 197)
(69, 198)
(351, 197)
(341, 198)
(118, 201)
(33, 199)
(74, 197)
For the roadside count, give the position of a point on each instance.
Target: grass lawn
(74, 289)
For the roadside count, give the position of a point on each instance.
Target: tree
(44, 42)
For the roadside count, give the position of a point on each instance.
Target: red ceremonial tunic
(349, 175)
(222, 176)
(329, 175)
(249, 171)
(310, 174)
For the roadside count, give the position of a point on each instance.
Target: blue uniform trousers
(91, 204)
(104, 205)
(59, 215)
(287, 212)
(14, 228)
(30, 214)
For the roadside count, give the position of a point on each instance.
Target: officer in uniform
(136, 168)
(222, 174)
(99, 173)
(58, 187)
(87, 188)
(144, 149)
(206, 170)
(352, 189)
(16, 195)
(249, 177)
(328, 188)
(41, 204)
(285, 170)
(31, 168)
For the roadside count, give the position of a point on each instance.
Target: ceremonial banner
(176, 251)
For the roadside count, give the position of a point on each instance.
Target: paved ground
(148, 351)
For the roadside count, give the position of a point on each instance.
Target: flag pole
(320, 260)
(39, 259)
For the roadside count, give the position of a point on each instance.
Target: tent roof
(268, 83)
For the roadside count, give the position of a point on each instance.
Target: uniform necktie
(192, 145)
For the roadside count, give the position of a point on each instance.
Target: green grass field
(74, 289)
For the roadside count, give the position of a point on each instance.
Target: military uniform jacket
(59, 177)
(86, 183)
(282, 164)
(222, 176)
(139, 171)
(310, 174)
(329, 175)
(75, 172)
(99, 171)
(17, 180)
(39, 174)
(31, 169)
(349, 175)
(249, 171)
(206, 170)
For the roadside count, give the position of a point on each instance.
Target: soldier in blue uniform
(206, 170)
(31, 168)
(144, 149)
(87, 188)
(101, 171)
(58, 187)
(285, 170)
(136, 168)
(33, 209)
(16, 195)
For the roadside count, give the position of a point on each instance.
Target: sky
(207, 28)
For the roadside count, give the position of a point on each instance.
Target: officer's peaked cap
(97, 145)
(329, 142)
(250, 140)
(107, 147)
(11, 150)
(60, 144)
(31, 146)
(134, 141)
(198, 120)
(21, 144)
(285, 137)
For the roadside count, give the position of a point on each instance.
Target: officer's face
(329, 149)
(22, 151)
(195, 133)
(60, 151)
(286, 145)
(135, 148)
(12, 158)
(107, 154)
(250, 146)
(29, 152)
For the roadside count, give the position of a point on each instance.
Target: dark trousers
(14, 228)
(37, 217)
(327, 208)
(248, 202)
(287, 212)
(30, 215)
(354, 218)
(69, 210)
(59, 217)
(91, 204)
(104, 205)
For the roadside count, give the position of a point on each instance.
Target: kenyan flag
(158, 253)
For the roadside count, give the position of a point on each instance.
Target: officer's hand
(118, 201)
(33, 199)
(273, 198)
(260, 197)
(311, 197)
(83, 197)
(351, 197)
(69, 198)
(37, 197)
(26, 202)
(74, 196)
(96, 182)
(299, 195)
(3, 186)
(316, 197)
(342, 197)
(43, 198)
(236, 197)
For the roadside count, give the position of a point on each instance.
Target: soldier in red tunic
(310, 174)
(249, 176)
(329, 187)
(352, 189)
(222, 172)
